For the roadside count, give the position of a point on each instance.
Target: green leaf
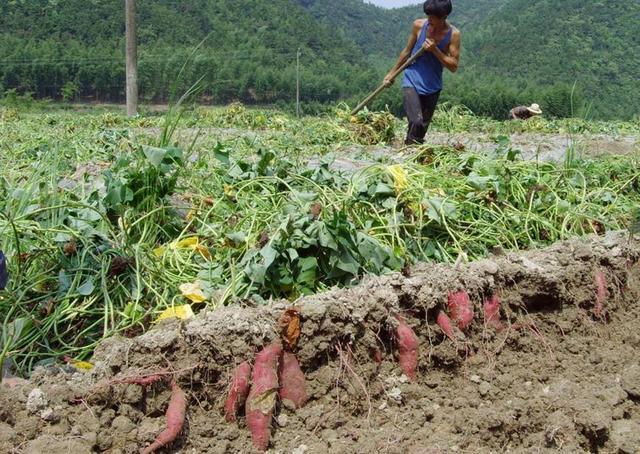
(347, 263)
(62, 237)
(265, 159)
(389, 203)
(439, 208)
(221, 154)
(513, 155)
(237, 238)
(64, 282)
(17, 328)
(477, 182)
(132, 310)
(173, 156)
(608, 197)
(256, 272)
(325, 237)
(563, 206)
(308, 271)
(269, 255)
(372, 252)
(305, 197)
(502, 141)
(154, 155)
(383, 189)
(87, 214)
(578, 180)
(293, 254)
(87, 287)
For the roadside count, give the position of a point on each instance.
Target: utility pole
(132, 57)
(298, 83)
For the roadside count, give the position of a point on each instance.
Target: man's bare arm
(406, 52)
(451, 59)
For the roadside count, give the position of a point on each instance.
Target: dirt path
(556, 378)
(545, 147)
(534, 147)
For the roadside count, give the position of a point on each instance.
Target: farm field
(200, 228)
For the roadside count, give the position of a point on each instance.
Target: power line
(153, 59)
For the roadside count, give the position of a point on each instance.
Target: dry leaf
(399, 175)
(181, 312)
(289, 324)
(193, 292)
(192, 243)
(83, 366)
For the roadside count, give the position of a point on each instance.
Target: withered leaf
(315, 211)
(289, 324)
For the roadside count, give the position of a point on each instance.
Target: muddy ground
(556, 378)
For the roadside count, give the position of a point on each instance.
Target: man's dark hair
(438, 8)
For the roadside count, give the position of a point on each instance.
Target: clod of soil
(554, 378)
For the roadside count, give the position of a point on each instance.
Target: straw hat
(534, 109)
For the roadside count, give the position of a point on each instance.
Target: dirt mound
(557, 377)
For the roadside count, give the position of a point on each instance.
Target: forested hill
(250, 53)
(514, 51)
(574, 57)
(592, 43)
(384, 32)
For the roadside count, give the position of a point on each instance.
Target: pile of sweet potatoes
(276, 374)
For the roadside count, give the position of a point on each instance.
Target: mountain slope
(513, 51)
(547, 42)
(249, 53)
(384, 32)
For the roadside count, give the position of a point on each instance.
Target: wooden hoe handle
(377, 91)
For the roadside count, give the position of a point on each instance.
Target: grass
(103, 229)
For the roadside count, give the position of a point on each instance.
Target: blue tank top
(425, 74)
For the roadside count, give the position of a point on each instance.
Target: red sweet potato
(377, 355)
(293, 393)
(238, 392)
(444, 322)
(408, 346)
(601, 293)
(491, 308)
(461, 309)
(262, 396)
(175, 415)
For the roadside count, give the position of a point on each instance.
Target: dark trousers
(419, 110)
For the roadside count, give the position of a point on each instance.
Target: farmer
(524, 112)
(422, 81)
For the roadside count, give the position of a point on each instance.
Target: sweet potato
(238, 392)
(461, 309)
(262, 396)
(293, 393)
(377, 355)
(491, 308)
(175, 415)
(408, 346)
(601, 293)
(444, 322)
